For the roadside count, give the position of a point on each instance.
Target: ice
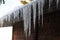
(57, 3)
(29, 19)
(38, 10)
(34, 14)
(25, 18)
(49, 3)
(42, 4)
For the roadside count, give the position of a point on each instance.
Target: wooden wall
(51, 26)
(18, 32)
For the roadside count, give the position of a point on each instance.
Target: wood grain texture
(51, 26)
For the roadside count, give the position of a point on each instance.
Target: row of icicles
(34, 15)
(27, 16)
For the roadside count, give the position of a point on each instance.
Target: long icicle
(25, 18)
(34, 14)
(39, 11)
(42, 4)
(29, 7)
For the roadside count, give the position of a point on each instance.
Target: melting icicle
(42, 4)
(39, 11)
(25, 18)
(29, 19)
(57, 3)
(34, 14)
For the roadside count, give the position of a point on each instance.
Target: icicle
(20, 14)
(25, 18)
(38, 10)
(42, 4)
(11, 18)
(57, 3)
(8, 19)
(16, 16)
(34, 14)
(6, 23)
(29, 19)
(49, 3)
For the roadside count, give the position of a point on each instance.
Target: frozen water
(57, 3)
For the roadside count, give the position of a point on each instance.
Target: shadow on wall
(51, 26)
